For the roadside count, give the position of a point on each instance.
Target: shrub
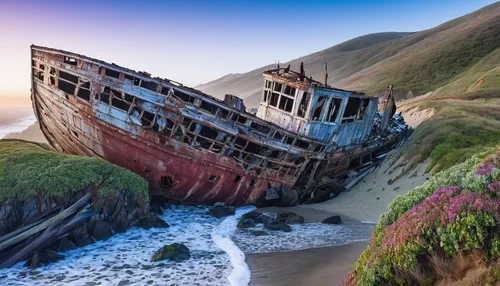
(455, 212)
(28, 168)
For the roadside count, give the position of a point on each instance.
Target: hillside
(457, 56)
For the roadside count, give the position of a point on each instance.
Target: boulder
(288, 217)
(102, 230)
(275, 225)
(175, 252)
(66, 244)
(43, 258)
(246, 223)
(332, 220)
(221, 211)
(256, 217)
(150, 221)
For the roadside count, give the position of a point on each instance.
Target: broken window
(52, 76)
(70, 60)
(104, 97)
(301, 144)
(260, 128)
(277, 87)
(237, 178)
(269, 84)
(84, 91)
(290, 90)
(146, 118)
(66, 86)
(264, 96)
(164, 125)
(333, 109)
(274, 99)
(112, 73)
(68, 77)
(318, 108)
(183, 96)
(149, 85)
(208, 107)
(362, 109)
(303, 105)
(286, 104)
(118, 101)
(351, 110)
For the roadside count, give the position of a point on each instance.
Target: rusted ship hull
(88, 136)
(189, 146)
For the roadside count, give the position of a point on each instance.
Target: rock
(246, 223)
(221, 211)
(65, 244)
(80, 236)
(102, 230)
(156, 209)
(219, 204)
(256, 217)
(43, 258)
(121, 226)
(332, 220)
(258, 232)
(176, 252)
(288, 217)
(275, 225)
(150, 221)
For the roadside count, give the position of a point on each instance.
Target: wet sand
(329, 265)
(312, 267)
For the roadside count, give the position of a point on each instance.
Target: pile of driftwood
(41, 232)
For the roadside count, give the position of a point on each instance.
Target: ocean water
(217, 249)
(17, 126)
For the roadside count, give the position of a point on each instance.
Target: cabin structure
(310, 108)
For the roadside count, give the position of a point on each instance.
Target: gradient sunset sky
(198, 41)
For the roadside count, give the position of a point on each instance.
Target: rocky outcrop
(332, 220)
(275, 225)
(288, 217)
(174, 252)
(221, 211)
(151, 221)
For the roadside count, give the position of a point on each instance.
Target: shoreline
(313, 266)
(328, 265)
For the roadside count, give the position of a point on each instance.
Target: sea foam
(221, 235)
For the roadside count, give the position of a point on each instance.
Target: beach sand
(328, 265)
(311, 267)
(370, 198)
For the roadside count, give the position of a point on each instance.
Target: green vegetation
(458, 129)
(462, 57)
(434, 231)
(28, 168)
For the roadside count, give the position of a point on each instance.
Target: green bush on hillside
(455, 213)
(28, 168)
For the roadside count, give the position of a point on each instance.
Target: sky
(194, 42)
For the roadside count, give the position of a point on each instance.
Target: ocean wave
(302, 236)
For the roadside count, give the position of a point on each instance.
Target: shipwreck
(197, 149)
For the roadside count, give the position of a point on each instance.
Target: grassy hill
(455, 57)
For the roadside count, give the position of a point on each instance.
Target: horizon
(204, 35)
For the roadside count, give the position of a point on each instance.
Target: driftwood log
(26, 241)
